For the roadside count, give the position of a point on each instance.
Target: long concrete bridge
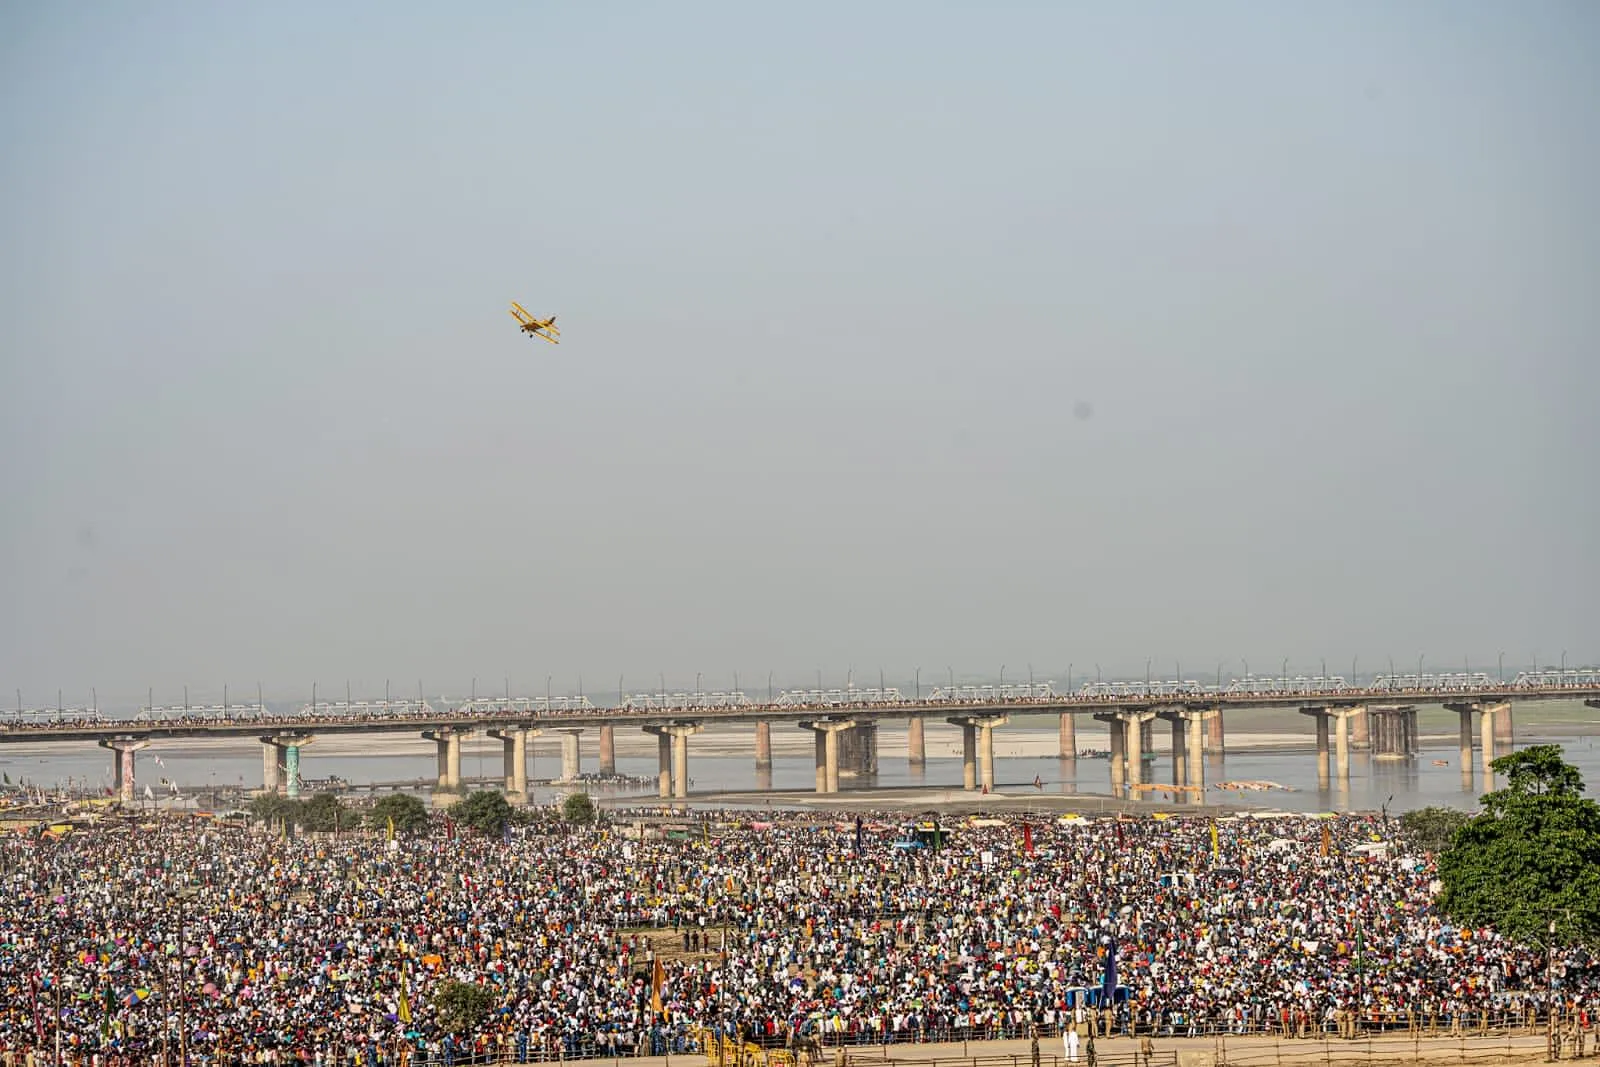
(1380, 717)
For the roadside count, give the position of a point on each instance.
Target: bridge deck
(258, 726)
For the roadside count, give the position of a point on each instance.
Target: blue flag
(1108, 988)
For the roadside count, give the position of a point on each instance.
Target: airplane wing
(520, 313)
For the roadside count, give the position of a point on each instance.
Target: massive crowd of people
(249, 946)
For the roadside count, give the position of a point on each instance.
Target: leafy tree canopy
(323, 812)
(578, 807)
(1529, 863)
(461, 1007)
(409, 813)
(272, 808)
(1432, 829)
(485, 811)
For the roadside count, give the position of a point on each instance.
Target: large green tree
(323, 812)
(578, 807)
(461, 1007)
(486, 811)
(408, 813)
(1530, 860)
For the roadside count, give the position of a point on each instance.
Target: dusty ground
(1186, 1052)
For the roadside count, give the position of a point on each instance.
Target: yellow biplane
(545, 328)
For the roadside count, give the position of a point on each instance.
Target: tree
(578, 807)
(272, 808)
(1529, 863)
(324, 813)
(461, 1006)
(1432, 829)
(407, 811)
(485, 811)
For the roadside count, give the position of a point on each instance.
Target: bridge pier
(1196, 778)
(1319, 718)
(1360, 734)
(271, 769)
(1180, 752)
(1505, 729)
(977, 748)
(858, 751)
(1131, 732)
(1118, 744)
(663, 761)
(571, 755)
(1394, 731)
(672, 753)
(763, 745)
(1068, 748)
(608, 750)
(1488, 730)
(122, 765)
(1335, 721)
(447, 743)
(287, 773)
(514, 749)
(916, 746)
(827, 748)
(1216, 741)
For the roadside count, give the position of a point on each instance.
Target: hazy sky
(894, 334)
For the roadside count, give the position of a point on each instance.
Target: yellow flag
(1214, 847)
(391, 828)
(404, 1011)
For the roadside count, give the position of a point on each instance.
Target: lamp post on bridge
(1002, 675)
(769, 687)
(952, 675)
(1391, 670)
(1246, 666)
(1419, 670)
(1502, 667)
(547, 692)
(313, 700)
(1147, 676)
(919, 683)
(1284, 672)
(1563, 661)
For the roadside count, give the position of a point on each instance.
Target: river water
(1277, 748)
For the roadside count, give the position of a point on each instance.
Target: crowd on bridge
(259, 946)
(1248, 690)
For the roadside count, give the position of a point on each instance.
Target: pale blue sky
(893, 334)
